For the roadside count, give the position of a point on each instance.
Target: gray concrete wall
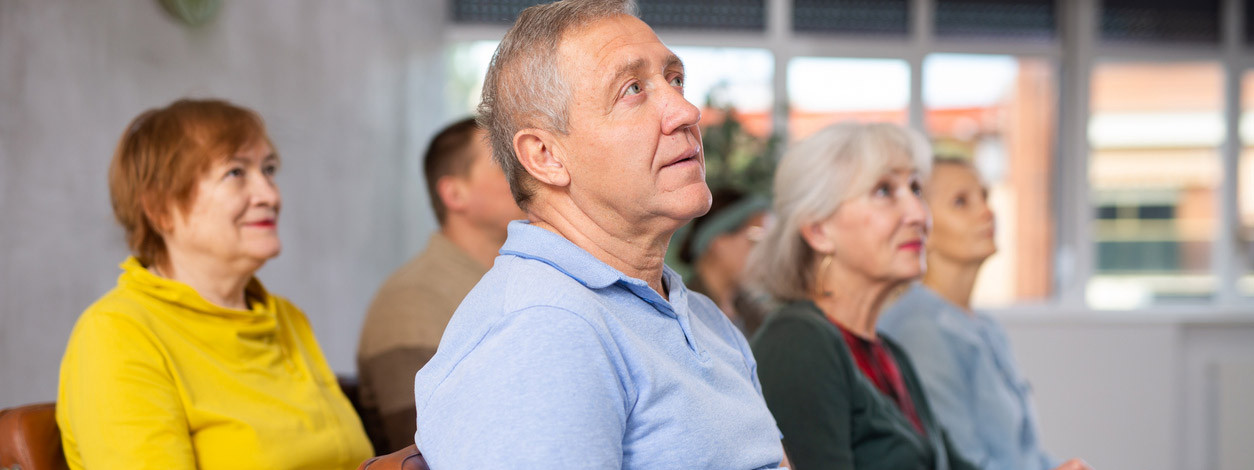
(351, 92)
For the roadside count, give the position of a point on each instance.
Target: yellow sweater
(155, 376)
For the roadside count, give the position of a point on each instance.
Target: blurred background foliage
(734, 158)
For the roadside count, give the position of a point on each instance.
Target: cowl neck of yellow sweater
(260, 318)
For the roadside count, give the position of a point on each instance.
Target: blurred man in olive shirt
(472, 201)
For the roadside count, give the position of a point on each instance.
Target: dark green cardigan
(832, 417)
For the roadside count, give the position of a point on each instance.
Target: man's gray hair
(813, 179)
(524, 88)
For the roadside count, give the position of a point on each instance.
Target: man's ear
(818, 235)
(452, 192)
(538, 153)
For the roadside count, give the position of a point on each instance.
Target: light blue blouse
(970, 378)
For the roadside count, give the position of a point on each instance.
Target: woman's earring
(820, 281)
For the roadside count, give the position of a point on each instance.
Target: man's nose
(677, 112)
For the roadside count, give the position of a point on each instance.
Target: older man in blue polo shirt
(580, 348)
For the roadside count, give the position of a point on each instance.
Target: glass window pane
(1249, 21)
(489, 11)
(999, 113)
(1154, 134)
(1016, 19)
(467, 64)
(746, 15)
(823, 91)
(1245, 186)
(1160, 21)
(877, 17)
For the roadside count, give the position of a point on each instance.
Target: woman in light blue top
(962, 357)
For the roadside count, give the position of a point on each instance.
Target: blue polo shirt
(557, 360)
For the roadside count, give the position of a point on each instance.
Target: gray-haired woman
(849, 233)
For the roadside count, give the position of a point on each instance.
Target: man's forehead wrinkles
(636, 63)
(627, 66)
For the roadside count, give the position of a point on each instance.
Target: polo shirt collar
(531, 242)
(528, 241)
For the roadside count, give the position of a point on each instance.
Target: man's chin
(702, 198)
(692, 202)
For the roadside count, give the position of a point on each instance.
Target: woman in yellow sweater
(189, 362)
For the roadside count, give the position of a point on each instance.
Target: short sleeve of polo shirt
(556, 402)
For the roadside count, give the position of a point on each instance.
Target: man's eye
(235, 172)
(678, 81)
(632, 89)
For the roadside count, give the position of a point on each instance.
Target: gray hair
(813, 179)
(524, 88)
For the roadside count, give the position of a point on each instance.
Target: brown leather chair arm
(30, 439)
(408, 458)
